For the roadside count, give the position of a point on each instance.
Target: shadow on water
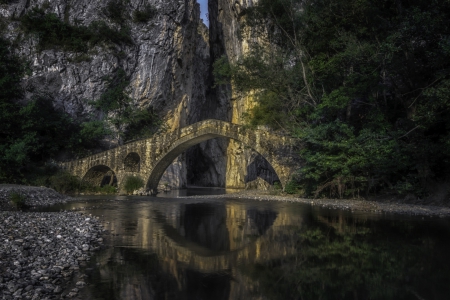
(168, 248)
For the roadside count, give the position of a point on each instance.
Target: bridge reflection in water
(233, 249)
(195, 248)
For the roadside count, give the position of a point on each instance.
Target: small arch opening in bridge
(260, 173)
(132, 162)
(100, 175)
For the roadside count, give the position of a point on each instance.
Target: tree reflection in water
(235, 250)
(341, 258)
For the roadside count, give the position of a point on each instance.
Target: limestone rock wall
(169, 65)
(227, 162)
(168, 61)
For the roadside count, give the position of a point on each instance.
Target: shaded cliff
(163, 49)
(164, 54)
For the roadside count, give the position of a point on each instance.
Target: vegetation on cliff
(364, 85)
(51, 32)
(34, 132)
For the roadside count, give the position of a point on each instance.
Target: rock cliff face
(169, 65)
(228, 162)
(167, 62)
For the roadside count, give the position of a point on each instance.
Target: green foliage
(65, 183)
(115, 103)
(105, 190)
(339, 258)
(222, 71)
(142, 123)
(102, 33)
(11, 70)
(93, 131)
(34, 132)
(18, 200)
(292, 187)
(115, 98)
(3, 24)
(115, 11)
(132, 183)
(145, 15)
(363, 84)
(129, 121)
(52, 32)
(80, 58)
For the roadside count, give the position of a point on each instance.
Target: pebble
(35, 196)
(40, 252)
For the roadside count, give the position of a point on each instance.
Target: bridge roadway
(149, 158)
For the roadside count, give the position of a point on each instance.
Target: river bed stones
(34, 196)
(41, 251)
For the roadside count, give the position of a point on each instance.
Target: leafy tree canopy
(363, 84)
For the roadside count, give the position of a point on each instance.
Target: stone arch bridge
(149, 158)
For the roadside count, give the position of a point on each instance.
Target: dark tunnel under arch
(178, 148)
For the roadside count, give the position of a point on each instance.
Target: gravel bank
(351, 205)
(35, 196)
(41, 253)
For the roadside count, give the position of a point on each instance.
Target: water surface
(170, 248)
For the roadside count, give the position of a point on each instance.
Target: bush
(114, 10)
(132, 183)
(64, 182)
(53, 32)
(18, 200)
(292, 187)
(143, 16)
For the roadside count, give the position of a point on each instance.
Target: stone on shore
(41, 251)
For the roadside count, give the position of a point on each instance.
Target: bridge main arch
(274, 148)
(149, 158)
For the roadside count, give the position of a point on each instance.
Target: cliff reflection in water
(254, 250)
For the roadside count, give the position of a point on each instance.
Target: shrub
(64, 182)
(18, 200)
(114, 10)
(132, 183)
(53, 32)
(292, 187)
(143, 16)
(80, 58)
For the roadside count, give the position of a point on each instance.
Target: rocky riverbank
(379, 206)
(41, 253)
(33, 195)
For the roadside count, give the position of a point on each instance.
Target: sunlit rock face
(227, 162)
(167, 63)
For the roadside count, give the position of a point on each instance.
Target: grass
(105, 190)
(17, 200)
(132, 183)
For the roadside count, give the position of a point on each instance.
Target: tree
(363, 85)
(128, 121)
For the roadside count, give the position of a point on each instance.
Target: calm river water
(172, 248)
